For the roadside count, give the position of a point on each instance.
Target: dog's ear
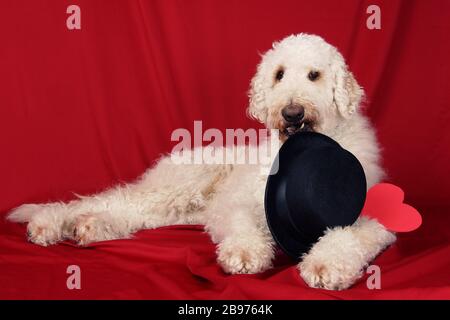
(257, 108)
(347, 93)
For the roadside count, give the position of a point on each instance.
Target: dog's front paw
(336, 261)
(329, 273)
(237, 256)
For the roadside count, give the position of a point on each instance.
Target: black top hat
(318, 185)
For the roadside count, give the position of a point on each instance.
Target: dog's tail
(23, 213)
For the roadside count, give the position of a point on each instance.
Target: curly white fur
(228, 199)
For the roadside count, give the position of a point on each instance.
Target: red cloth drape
(83, 109)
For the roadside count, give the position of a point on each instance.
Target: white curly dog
(302, 83)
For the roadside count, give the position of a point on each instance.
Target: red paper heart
(384, 202)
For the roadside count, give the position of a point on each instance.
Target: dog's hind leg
(109, 215)
(45, 221)
(165, 195)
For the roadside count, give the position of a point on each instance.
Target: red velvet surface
(81, 110)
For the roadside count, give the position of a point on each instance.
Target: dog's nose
(293, 113)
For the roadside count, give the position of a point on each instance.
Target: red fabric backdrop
(83, 109)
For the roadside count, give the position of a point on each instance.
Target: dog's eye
(279, 75)
(313, 75)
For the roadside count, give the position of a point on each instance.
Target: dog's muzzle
(294, 119)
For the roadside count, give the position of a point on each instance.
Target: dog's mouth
(292, 128)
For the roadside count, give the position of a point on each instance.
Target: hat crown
(319, 185)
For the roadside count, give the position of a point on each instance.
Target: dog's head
(303, 84)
